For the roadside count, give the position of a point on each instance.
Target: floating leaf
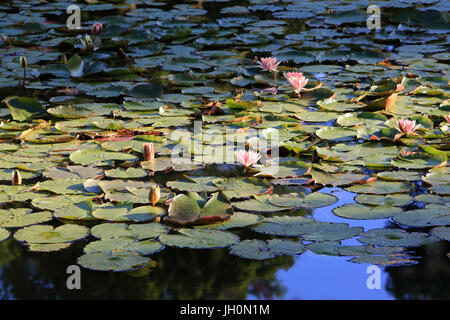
(24, 108)
(381, 200)
(193, 208)
(430, 216)
(363, 212)
(237, 220)
(113, 261)
(135, 231)
(145, 247)
(91, 156)
(380, 187)
(200, 239)
(4, 234)
(21, 217)
(420, 161)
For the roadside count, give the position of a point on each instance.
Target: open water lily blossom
(269, 64)
(247, 158)
(297, 81)
(447, 117)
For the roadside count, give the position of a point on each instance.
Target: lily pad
(193, 208)
(24, 108)
(48, 234)
(395, 238)
(435, 216)
(363, 212)
(135, 231)
(200, 239)
(113, 261)
(260, 250)
(21, 217)
(91, 156)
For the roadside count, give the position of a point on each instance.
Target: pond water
(26, 275)
(362, 184)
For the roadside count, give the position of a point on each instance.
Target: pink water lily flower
(269, 64)
(297, 80)
(405, 127)
(447, 117)
(97, 28)
(247, 158)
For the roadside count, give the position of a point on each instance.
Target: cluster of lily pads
(86, 129)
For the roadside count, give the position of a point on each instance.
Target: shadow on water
(173, 274)
(215, 274)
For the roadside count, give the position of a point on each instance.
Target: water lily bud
(23, 62)
(97, 28)
(16, 177)
(149, 151)
(314, 156)
(154, 195)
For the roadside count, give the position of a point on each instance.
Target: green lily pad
(237, 220)
(63, 186)
(288, 169)
(336, 134)
(330, 248)
(384, 256)
(309, 229)
(310, 201)
(21, 217)
(4, 234)
(70, 112)
(193, 208)
(338, 179)
(130, 173)
(398, 175)
(48, 247)
(48, 234)
(240, 188)
(200, 239)
(433, 216)
(399, 200)
(113, 261)
(145, 247)
(92, 156)
(395, 238)
(363, 212)
(380, 187)
(135, 231)
(194, 184)
(24, 108)
(419, 161)
(442, 233)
